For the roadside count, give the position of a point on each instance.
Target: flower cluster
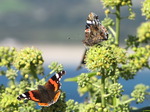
(92, 107)
(9, 102)
(141, 57)
(83, 80)
(136, 61)
(11, 74)
(6, 56)
(139, 92)
(115, 90)
(29, 61)
(104, 58)
(132, 41)
(143, 32)
(113, 3)
(122, 108)
(55, 67)
(108, 22)
(72, 106)
(132, 15)
(146, 9)
(87, 86)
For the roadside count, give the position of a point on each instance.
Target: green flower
(108, 22)
(146, 9)
(83, 80)
(9, 102)
(132, 41)
(122, 108)
(11, 74)
(92, 107)
(115, 89)
(55, 67)
(143, 32)
(29, 61)
(72, 106)
(6, 56)
(132, 16)
(113, 3)
(104, 59)
(139, 92)
(141, 57)
(136, 61)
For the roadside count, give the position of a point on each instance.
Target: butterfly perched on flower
(95, 33)
(45, 95)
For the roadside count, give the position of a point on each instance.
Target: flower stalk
(117, 25)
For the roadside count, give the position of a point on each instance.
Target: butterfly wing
(47, 94)
(82, 63)
(53, 90)
(54, 82)
(30, 95)
(95, 32)
(56, 97)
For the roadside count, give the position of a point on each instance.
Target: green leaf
(75, 78)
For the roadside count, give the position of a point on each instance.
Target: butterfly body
(45, 95)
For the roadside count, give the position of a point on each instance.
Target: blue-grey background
(56, 27)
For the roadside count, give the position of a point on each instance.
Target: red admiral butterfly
(95, 33)
(45, 95)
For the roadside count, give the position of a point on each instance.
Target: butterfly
(45, 95)
(95, 33)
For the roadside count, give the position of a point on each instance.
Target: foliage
(29, 63)
(107, 63)
(146, 9)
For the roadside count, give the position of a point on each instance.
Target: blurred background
(56, 27)
(53, 25)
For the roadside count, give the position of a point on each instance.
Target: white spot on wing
(59, 79)
(88, 22)
(93, 22)
(57, 76)
(23, 95)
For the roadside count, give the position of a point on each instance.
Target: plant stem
(118, 18)
(12, 81)
(103, 92)
(112, 30)
(128, 101)
(34, 73)
(117, 25)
